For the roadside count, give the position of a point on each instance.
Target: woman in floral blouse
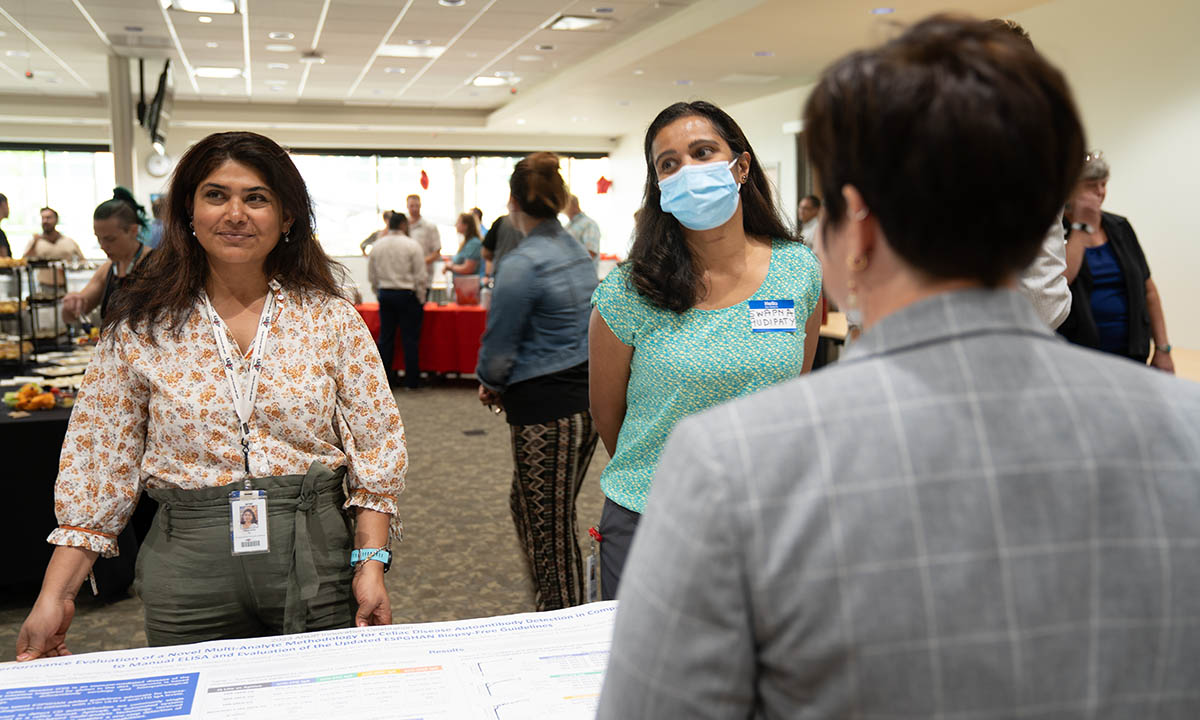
(230, 369)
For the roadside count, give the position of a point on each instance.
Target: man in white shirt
(810, 208)
(584, 229)
(396, 271)
(427, 236)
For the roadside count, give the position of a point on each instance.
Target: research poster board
(533, 665)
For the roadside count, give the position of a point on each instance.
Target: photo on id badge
(249, 523)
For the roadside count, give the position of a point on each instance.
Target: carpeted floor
(459, 558)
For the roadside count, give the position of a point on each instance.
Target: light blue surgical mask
(701, 197)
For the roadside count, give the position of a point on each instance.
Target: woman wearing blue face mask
(716, 300)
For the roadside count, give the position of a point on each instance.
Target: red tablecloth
(450, 336)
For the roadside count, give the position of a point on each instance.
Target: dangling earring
(287, 236)
(853, 311)
(192, 227)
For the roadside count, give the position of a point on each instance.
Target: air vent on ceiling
(141, 45)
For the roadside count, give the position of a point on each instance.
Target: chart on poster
(534, 665)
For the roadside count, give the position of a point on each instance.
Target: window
(72, 182)
(350, 192)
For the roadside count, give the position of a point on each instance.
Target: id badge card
(772, 316)
(248, 521)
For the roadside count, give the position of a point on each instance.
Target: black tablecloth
(31, 447)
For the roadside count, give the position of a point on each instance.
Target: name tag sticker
(773, 316)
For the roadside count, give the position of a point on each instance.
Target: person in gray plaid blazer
(965, 517)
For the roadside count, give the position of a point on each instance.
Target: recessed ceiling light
(281, 48)
(376, 92)
(503, 73)
(278, 66)
(3, 34)
(581, 22)
(395, 70)
(545, 47)
(134, 28)
(204, 19)
(639, 71)
(486, 81)
(683, 82)
(216, 7)
(882, 11)
(520, 121)
(623, 103)
(763, 53)
(530, 58)
(211, 45)
(411, 51)
(281, 35)
(420, 42)
(276, 83)
(472, 54)
(603, 10)
(17, 53)
(275, 88)
(452, 3)
(53, 80)
(220, 73)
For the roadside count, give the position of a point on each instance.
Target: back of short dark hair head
(1011, 26)
(963, 142)
(398, 221)
(538, 187)
(660, 265)
(477, 213)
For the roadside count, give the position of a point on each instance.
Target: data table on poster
(534, 665)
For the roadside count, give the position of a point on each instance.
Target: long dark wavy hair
(661, 266)
(164, 290)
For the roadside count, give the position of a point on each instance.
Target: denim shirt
(538, 320)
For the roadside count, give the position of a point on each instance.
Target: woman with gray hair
(1115, 305)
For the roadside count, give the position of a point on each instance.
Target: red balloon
(602, 185)
(424, 180)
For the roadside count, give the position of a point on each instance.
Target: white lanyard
(243, 403)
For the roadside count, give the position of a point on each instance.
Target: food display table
(35, 442)
(450, 337)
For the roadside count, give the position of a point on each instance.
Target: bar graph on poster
(534, 665)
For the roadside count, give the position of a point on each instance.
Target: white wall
(1133, 68)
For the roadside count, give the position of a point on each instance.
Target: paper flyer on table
(533, 665)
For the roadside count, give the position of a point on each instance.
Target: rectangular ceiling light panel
(411, 51)
(208, 7)
(581, 22)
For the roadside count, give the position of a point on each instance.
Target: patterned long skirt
(549, 463)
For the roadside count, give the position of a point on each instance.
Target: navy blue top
(1110, 301)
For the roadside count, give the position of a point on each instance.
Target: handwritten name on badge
(773, 316)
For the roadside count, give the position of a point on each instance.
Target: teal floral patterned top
(685, 363)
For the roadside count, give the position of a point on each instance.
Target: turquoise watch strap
(361, 555)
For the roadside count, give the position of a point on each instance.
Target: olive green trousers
(194, 589)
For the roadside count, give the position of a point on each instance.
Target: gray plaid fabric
(966, 518)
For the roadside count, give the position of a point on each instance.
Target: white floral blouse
(161, 416)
